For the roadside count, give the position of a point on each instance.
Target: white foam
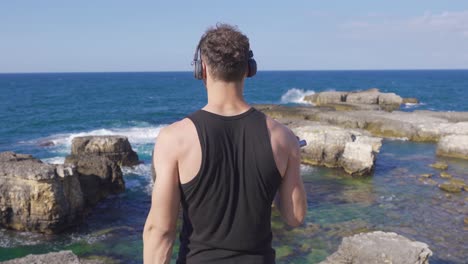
(412, 105)
(296, 95)
(54, 160)
(140, 169)
(136, 136)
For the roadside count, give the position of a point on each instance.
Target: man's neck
(226, 98)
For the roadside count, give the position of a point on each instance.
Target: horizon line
(188, 71)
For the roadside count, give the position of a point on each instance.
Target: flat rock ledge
(422, 126)
(60, 257)
(455, 146)
(36, 196)
(371, 99)
(379, 247)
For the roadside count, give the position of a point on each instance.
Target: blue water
(55, 107)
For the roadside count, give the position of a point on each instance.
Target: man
(224, 163)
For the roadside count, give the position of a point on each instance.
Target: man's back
(224, 168)
(229, 175)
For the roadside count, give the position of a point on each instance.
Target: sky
(114, 35)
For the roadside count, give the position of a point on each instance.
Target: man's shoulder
(176, 132)
(280, 132)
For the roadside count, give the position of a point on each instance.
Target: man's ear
(204, 71)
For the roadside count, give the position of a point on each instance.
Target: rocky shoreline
(49, 198)
(343, 130)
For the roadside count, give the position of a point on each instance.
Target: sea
(39, 108)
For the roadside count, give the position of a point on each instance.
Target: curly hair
(226, 50)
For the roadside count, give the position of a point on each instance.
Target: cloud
(442, 23)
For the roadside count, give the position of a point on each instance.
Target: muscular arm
(160, 227)
(291, 199)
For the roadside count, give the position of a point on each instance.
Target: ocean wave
(54, 160)
(61, 143)
(412, 105)
(296, 95)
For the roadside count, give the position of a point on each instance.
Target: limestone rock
(332, 146)
(450, 187)
(116, 148)
(453, 146)
(37, 196)
(98, 176)
(439, 165)
(390, 101)
(357, 158)
(410, 101)
(366, 97)
(379, 247)
(61, 257)
(324, 98)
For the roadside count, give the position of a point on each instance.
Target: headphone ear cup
(198, 70)
(252, 64)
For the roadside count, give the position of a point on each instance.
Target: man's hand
(160, 227)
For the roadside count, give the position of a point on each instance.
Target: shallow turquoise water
(56, 107)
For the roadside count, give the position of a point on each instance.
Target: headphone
(198, 69)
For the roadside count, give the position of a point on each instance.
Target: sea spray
(296, 95)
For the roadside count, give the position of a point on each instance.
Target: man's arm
(292, 199)
(160, 227)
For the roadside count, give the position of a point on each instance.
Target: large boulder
(98, 176)
(357, 158)
(98, 160)
(333, 146)
(390, 101)
(453, 146)
(37, 196)
(116, 148)
(380, 247)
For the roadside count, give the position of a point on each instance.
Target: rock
(357, 158)
(116, 148)
(379, 247)
(61, 257)
(337, 147)
(445, 175)
(390, 101)
(324, 98)
(455, 146)
(450, 187)
(426, 175)
(98, 160)
(410, 101)
(439, 165)
(36, 196)
(365, 97)
(98, 176)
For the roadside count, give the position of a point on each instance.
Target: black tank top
(227, 205)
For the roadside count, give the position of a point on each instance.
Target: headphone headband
(198, 68)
